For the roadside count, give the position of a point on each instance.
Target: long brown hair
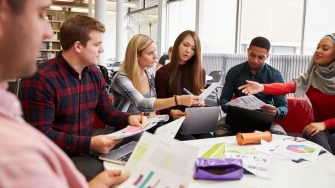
(191, 72)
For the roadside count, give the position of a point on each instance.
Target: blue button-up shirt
(237, 77)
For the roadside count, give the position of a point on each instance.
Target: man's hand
(269, 109)
(314, 128)
(137, 120)
(251, 88)
(107, 179)
(177, 114)
(103, 143)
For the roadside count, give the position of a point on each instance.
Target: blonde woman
(134, 87)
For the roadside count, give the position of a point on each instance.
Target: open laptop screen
(200, 120)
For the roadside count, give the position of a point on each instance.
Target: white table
(283, 174)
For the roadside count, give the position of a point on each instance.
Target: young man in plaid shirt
(62, 97)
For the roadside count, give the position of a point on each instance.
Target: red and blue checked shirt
(61, 105)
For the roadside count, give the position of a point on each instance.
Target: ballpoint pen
(141, 119)
(187, 91)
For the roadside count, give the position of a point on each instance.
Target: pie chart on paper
(300, 149)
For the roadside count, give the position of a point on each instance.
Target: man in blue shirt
(256, 70)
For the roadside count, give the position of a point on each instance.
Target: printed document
(170, 130)
(159, 162)
(209, 90)
(288, 149)
(249, 102)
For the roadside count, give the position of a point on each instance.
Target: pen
(187, 91)
(141, 119)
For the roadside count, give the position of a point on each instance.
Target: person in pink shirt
(318, 84)
(28, 158)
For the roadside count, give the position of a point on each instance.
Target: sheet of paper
(159, 162)
(170, 130)
(255, 164)
(288, 149)
(209, 90)
(249, 102)
(300, 150)
(132, 130)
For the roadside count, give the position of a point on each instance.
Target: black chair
(214, 98)
(217, 76)
(14, 86)
(107, 78)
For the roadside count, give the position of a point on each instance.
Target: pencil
(141, 119)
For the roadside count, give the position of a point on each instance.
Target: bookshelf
(51, 47)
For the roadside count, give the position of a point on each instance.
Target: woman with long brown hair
(184, 71)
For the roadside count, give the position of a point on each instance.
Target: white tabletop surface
(318, 174)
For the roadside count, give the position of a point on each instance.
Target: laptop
(245, 120)
(119, 155)
(200, 120)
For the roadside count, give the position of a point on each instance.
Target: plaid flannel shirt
(61, 105)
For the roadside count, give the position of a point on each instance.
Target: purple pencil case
(218, 169)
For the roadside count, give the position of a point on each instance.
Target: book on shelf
(55, 36)
(45, 55)
(55, 25)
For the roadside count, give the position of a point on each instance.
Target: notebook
(200, 120)
(119, 155)
(244, 120)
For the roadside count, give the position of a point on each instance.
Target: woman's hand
(251, 88)
(188, 100)
(177, 114)
(314, 128)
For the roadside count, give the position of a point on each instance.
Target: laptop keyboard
(125, 157)
(120, 154)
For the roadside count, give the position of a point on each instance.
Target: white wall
(319, 22)
(181, 17)
(218, 29)
(110, 36)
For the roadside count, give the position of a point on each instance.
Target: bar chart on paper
(147, 181)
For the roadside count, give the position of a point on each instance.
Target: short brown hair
(78, 28)
(17, 6)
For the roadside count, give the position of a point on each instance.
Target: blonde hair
(130, 65)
